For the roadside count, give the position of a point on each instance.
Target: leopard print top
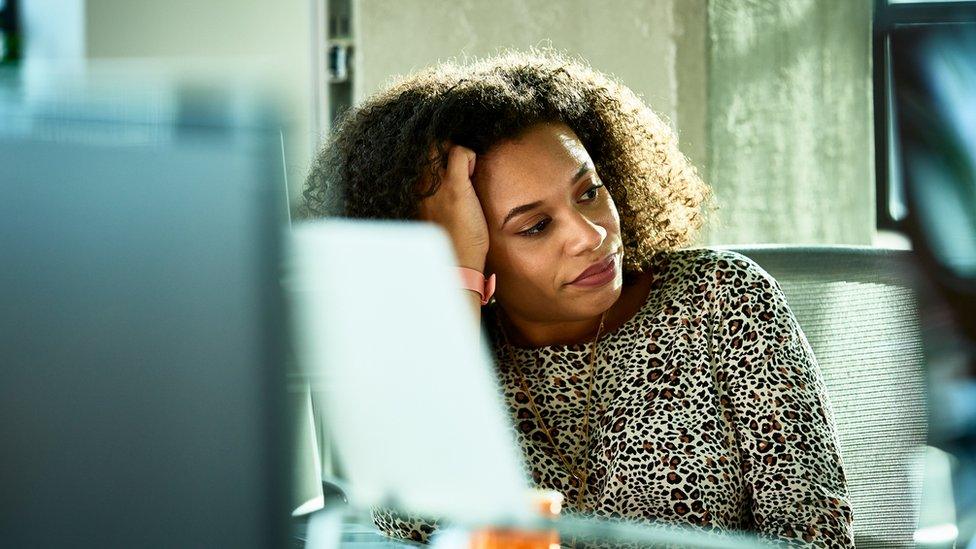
(709, 410)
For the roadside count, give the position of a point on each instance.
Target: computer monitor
(141, 331)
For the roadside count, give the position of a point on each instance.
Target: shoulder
(711, 273)
(709, 261)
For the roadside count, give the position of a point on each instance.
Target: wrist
(476, 282)
(472, 262)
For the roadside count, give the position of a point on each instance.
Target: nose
(585, 236)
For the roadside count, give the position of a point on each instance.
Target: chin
(599, 300)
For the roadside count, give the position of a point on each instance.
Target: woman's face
(549, 220)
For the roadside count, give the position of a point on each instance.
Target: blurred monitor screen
(140, 329)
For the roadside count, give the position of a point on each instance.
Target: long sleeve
(404, 526)
(776, 402)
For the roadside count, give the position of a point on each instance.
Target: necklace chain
(573, 469)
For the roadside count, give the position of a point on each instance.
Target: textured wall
(691, 78)
(639, 41)
(771, 99)
(789, 121)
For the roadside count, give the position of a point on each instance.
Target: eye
(591, 193)
(535, 229)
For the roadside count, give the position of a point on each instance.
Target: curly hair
(374, 163)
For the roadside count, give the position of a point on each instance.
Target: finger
(460, 163)
(469, 154)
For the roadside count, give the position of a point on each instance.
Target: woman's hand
(455, 207)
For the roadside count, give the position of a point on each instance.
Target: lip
(599, 273)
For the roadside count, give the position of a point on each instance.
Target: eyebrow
(517, 210)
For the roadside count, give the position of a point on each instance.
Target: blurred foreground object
(142, 387)
(935, 91)
(395, 360)
(548, 504)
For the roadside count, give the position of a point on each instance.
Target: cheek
(526, 267)
(613, 217)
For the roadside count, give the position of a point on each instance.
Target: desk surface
(356, 531)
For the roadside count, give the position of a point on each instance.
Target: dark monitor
(141, 376)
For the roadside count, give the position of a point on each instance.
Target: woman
(644, 381)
